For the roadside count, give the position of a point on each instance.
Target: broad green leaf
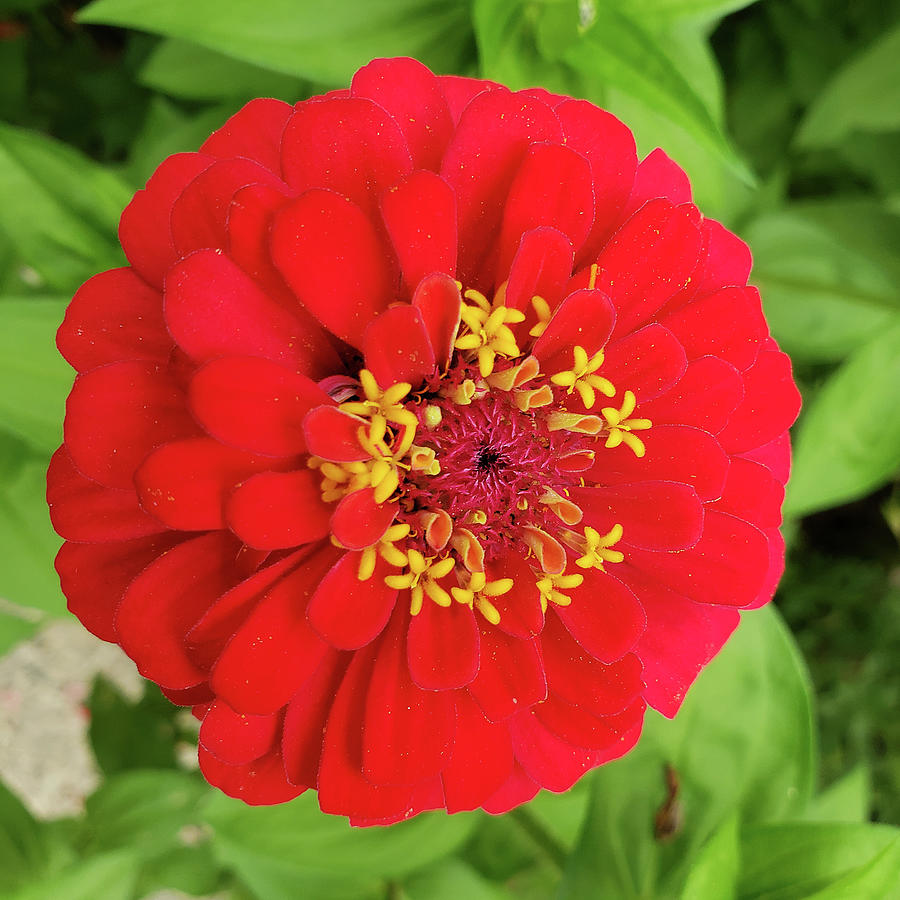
(182, 69)
(111, 876)
(27, 577)
(822, 297)
(849, 437)
(849, 799)
(23, 851)
(794, 861)
(131, 735)
(17, 623)
(451, 880)
(280, 850)
(615, 48)
(325, 42)
(759, 763)
(878, 879)
(167, 130)
(864, 95)
(34, 378)
(142, 809)
(59, 209)
(684, 9)
(715, 871)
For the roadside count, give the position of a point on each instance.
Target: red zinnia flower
(427, 438)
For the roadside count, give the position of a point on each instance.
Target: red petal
(520, 610)
(200, 214)
(162, 604)
(585, 318)
(770, 406)
(647, 363)
(94, 577)
(518, 789)
(482, 758)
(706, 396)
(511, 676)
(492, 137)
(407, 732)
(459, 91)
(254, 404)
(552, 186)
(681, 637)
(253, 132)
(333, 434)
(214, 309)
(117, 414)
(415, 99)
(342, 788)
(259, 783)
(775, 456)
(347, 612)
(728, 260)
(752, 493)
(550, 761)
(579, 728)
(209, 636)
(604, 617)
(674, 453)
(316, 152)
(443, 647)
(305, 718)
(397, 348)
(144, 227)
(274, 651)
(358, 522)
(333, 259)
(438, 299)
(114, 316)
(728, 324)
(649, 259)
(579, 679)
(420, 216)
(275, 510)
(185, 484)
(115, 515)
(727, 566)
(609, 147)
(541, 267)
(658, 176)
(236, 738)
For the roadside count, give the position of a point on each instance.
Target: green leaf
(182, 69)
(322, 42)
(877, 879)
(34, 378)
(617, 50)
(59, 209)
(451, 880)
(684, 9)
(823, 297)
(142, 809)
(795, 861)
(715, 871)
(27, 577)
(759, 763)
(126, 735)
(111, 876)
(284, 851)
(23, 851)
(849, 799)
(864, 95)
(849, 437)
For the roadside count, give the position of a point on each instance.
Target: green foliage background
(786, 115)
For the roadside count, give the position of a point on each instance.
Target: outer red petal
(517, 789)
(415, 99)
(511, 676)
(316, 152)
(752, 493)
(443, 647)
(347, 612)
(658, 175)
(647, 363)
(275, 643)
(167, 598)
(259, 783)
(254, 132)
(236, 738)
(276, 510)
(114, 316)
(335, 262)
(579, 728)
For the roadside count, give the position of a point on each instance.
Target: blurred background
(786, 116)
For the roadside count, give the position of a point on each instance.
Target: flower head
(427, 438)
